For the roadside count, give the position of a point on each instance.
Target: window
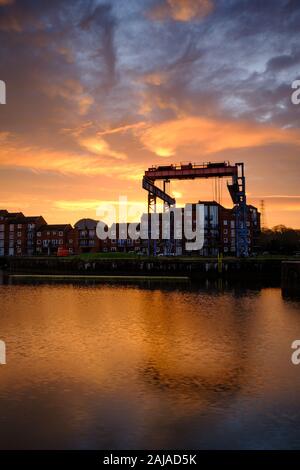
(70, 241)
(19, 226)
(248, 223)
(225, 240)
(225, 231)
(11, 227)
(225, 222)
(39, 242)
(39, 234)
(48, 234)
(54, 232)
(232, 233)
(60, 242)
(232, 224)
(19, 242)
(1, 227)
(61, 234)
(19, 234)
(225, 249)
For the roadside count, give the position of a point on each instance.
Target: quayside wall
(193, 268)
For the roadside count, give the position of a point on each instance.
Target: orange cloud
(72, 91)
(99, 146)
(15, 154)
(182, 10)
(209, 136)
(122, 129)
(155, 78)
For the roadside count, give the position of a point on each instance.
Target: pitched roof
(55, 227)
(83, 224)
(26, 220)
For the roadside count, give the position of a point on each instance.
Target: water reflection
(148, 366)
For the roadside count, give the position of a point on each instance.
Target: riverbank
(134, 266)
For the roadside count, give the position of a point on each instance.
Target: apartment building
(51, 237)
(18, 233)
(87, 240)
(5, 217)
(21, 235)
(119, 239)
(219, 230)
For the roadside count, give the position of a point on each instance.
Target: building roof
(8, 215)
(16, 214)
(27, 220)
(211, 203)
(60, 227)
(83, 224)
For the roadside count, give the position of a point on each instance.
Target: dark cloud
(102, 23)
(54, 55)
(66, 63)
(283, 62)
(77, 70)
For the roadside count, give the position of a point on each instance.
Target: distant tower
(263, 221)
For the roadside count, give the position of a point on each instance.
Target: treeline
(280, 240)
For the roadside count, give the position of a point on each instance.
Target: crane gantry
(189, 171)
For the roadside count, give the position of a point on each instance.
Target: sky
(100, 90)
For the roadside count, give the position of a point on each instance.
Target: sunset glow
(99, 91)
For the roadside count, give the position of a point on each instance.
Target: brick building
(5, 217)
(120, 241)
(219, 231)
(18, 233)
(53, 236)
(21, 235)
(87, 240)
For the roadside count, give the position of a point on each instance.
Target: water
(129, 367)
